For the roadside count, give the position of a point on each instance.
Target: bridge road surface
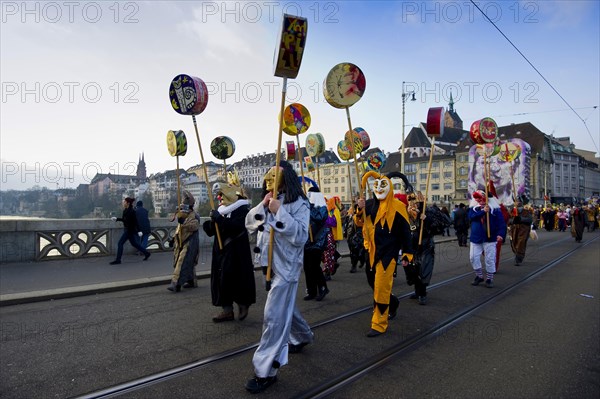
(538, 341)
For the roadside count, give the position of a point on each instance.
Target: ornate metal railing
(46, 239)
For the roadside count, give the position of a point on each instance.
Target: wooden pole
(300, 158)
(353, 154)
(318, 172)
(486, 177)
(427, 188)
(178, 183)
(275, 188)
(208, 188)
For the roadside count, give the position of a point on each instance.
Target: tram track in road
(356, 372)
(353, 373)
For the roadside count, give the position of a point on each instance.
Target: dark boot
(174, 287)
(243, 312)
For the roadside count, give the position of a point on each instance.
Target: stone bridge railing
(46, 239)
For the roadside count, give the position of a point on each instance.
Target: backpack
(438, 221)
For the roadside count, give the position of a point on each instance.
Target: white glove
(140, 233)
(114, 219)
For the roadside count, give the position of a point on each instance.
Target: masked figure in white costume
(284, 328)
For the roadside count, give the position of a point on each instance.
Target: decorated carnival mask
(479, 196)
(381, 188)
(230, 192)
(270, 179)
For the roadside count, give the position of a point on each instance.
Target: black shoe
(413, 296)
(243, 312)
(373, 333)
(353, 269)
(489, 283)
(309, 297)
(115, 262)
(322, 292)
(147, 255)
(422, 300)
(174, 287)
(296, 348)
(190, 284)
(257, 384)
(477, 280)
(223, 316)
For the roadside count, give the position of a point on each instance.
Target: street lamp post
(412, 93)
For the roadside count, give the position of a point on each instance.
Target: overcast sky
(85, 84)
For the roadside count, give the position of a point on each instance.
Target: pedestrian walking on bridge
(130, 232)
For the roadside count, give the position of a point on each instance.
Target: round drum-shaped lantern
(353, 137)
(296, 119)
(364, 136)
(321, 145)
(435, 122)
(222, 147)
(188, 95)
(375, 161)
(344, 85)
(176, 143)
(312, 145)
(484, 131)
(343, 150)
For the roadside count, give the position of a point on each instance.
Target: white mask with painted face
(381, 188)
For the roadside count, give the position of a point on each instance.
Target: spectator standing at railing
(130, 232)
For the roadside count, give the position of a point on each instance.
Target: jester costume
(386, 232)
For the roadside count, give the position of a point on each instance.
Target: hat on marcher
(129, 200)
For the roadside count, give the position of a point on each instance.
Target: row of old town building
(558, 172)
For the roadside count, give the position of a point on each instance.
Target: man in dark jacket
(143, 223)
(461, 224)
(130, 231)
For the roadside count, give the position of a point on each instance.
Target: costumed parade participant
(187, 245)
(520, 227)
(336, 233)
(481, 241)
(355, 239)
(232, 270)
(578, 223)
(505, 215)
(316, 286)
(284, 328)
(435, 222)
(548, 218)
(130, 232)
(386, 232)
(591, 217)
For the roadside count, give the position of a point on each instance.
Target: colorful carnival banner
(501, 171)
